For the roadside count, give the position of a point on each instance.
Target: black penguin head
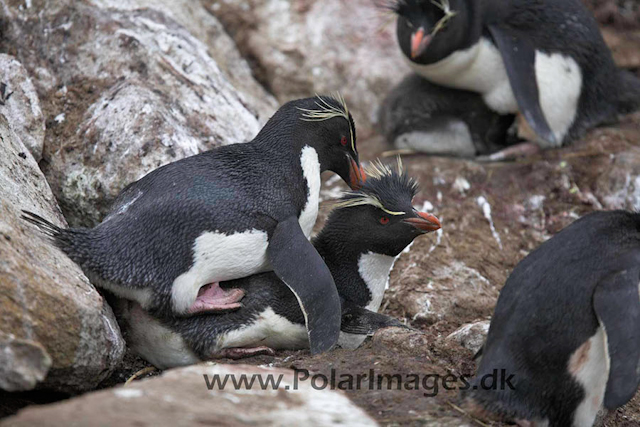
(379, 217)
(430, 30)
(326, 125)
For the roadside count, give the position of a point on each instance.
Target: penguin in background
(360, 241)
(224, 214)
(567, 327)
(418, 115)
(543, 60)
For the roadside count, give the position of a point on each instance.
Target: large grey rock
(207, 29)
(180, 397)
(52, 320)
(126, 91)
(301, 47)
(471, 336)
(22, 109)
(23, 363)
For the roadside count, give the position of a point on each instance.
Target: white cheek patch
(311, 170)
(268, 329)
(589, 365)
(218, 257)
(481, 69)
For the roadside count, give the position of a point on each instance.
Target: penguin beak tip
(357, 176)
(425, 222)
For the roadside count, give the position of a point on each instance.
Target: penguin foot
(511, 153)
(213, 299)
(241, 353)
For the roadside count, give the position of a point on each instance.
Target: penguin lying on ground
(228, 213)
(364, 234)
(567, 327)
(544, 60)
(419, 115)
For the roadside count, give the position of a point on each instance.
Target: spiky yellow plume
(378, 170)
(375, 170)
(445, 7)
(327, 111)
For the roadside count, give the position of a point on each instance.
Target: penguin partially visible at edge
(544, 60)
(363, 236)
(228, 213)
(567, 327)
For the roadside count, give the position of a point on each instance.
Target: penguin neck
(283, 137)
(311, 173)
(361, 276)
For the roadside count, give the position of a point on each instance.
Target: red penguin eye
(343, 141)
(384, 220)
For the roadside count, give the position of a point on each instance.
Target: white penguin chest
(268, 329)
(481, 69)
(374, 270)
(478, 69)
(590, 365)
(311, 172)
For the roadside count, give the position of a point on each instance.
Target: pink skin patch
(241, 353)
(212, 298)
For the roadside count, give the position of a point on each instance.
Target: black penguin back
(545, 313)
(629, 90)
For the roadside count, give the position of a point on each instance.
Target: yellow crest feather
(445, 7)
(375, 170)
(327, 111)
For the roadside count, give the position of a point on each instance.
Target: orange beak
(419, 43)
(357, 177)
(425, 222)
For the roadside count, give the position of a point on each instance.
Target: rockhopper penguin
(418, 115)
(544, 60)
(567, 327)
(363, 236)
(228, 213)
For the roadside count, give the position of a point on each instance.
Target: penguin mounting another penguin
(543, 60)
(225, 214)
(360, 241)
(566, 328)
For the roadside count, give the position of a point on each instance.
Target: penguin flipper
(360, 321)
(616, 302)
(297, 263)
(519, 58)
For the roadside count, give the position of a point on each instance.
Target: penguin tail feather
(45, 226)
(65, 239)
(629, 100)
